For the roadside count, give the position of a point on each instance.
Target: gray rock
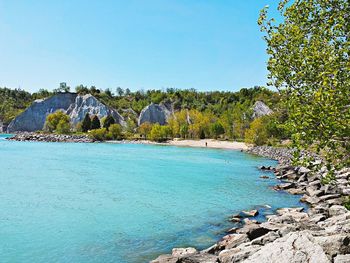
(294, 247)
(237, 254)
(260, 109)
(180, 252)
(336, 210)
(267, 238)
(166, 258)
(335, 244)
(154, 113)
(89, 104)
(198, 258)
(250, 213)
(33, 118)
(232, 240)
(342, 258)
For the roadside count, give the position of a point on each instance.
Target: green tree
(95, 123)
(216, 129)
(160, 133)
(309, 63)
(86, 124)
(63, 126)
(108, 121)
(115, 132)
(56, 118)
(145, 129)
(257, 133)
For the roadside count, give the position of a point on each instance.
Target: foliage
(257, 133)
(95, 123)
(159, 133)
(86, 123)
(63, 127)
(145, 129)
(108, 121)
(114, 132)
(57, 121)
(347, 202)
(216, 129)
(98, 134)
(309, 63)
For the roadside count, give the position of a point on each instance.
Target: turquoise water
(64, 202)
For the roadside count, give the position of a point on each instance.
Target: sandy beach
(205, 143)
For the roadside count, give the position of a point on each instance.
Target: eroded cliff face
(155, 113)
(76, 106)
(33, 118)
(89, 104)
(261, 109)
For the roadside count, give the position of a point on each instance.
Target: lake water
(65, 202)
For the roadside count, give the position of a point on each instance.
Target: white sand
(211, 143)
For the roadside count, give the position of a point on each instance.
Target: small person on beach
(206, 144)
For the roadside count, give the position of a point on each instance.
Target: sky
(135, 44)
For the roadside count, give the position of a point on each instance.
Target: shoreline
(203, 143)
(211, 143)
(320, 234)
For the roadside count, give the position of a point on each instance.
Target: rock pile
(321, 234)
(43, 137)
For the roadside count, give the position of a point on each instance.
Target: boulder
(250, 213)
(232, 240)
(154, 113)
(237, 254)
(342, 258)
(180, 252)
(294, 247)
(260, 109)
(198, 258)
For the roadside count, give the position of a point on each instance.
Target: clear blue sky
(148, 44)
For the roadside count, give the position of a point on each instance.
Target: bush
(56, 119)
(98, 134)
(114, 132)
(63, 127)
(159, 133)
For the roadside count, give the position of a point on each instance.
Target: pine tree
(86, 124)
(108, 122)
(95, 123)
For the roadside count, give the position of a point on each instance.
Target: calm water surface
(65, 202)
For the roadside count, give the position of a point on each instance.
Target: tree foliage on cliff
(309, 63)
(57, 122)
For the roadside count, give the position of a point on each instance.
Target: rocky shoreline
(321, 234)
(49, 137)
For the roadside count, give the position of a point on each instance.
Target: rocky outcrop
(260, 109)
(44, 137)
(89, 104)
(33, 118)
(320, 234)
(76, 106)
(155, 113)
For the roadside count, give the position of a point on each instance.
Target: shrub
(95, 123)
(53, 119)
(114, 132)
(98, 134)
(145, 129)
(86, 124)
(159, 133)
(63, 127)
